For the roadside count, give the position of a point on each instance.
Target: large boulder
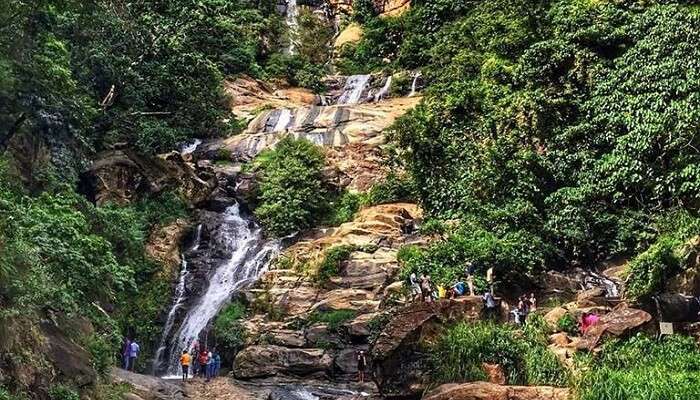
(147, 387)
(264, 361)
(673, 307)
(398, 359)
(122, 177)
(490, 391)
(71, 361)
(163, 245)
(620, 321)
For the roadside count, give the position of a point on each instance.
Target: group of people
(203, 362)
(422, 287)
(526, 305)
(129, 354)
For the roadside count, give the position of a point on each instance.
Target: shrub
(332, 260)
(228, 329)
(567, 323)
(460, 351)
(342, 209)
(62, 392)
(393, 189)
(102, 353)
(642, 368)
(333, 319)
(291, 192)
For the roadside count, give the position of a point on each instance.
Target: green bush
(391, 190)
(102, 353)
(642, 368)
(460, 351)
(292, 196)
(342, 209)
(333, 319)
(567, 323)
(62, 392)
(332, 260)
(228, 329)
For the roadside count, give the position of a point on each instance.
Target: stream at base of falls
(248, 254)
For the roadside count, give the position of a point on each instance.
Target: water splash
(249, 259)
(414, 85)
(189, 148)
(384, 90)
(354, 87)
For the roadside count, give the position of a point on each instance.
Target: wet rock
(620, 321)
(286, 338)
(399, 363)
(263, 361)
(148, 387)
(251, 96)
(490, 391)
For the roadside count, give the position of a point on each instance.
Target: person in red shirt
(203, 358)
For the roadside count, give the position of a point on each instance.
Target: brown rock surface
(399, 364)
(270, 360)
(251, 96)
(351, 34)
(490, 391)
(494, 373)
(163, 245)
(620, 321)
(552, 317)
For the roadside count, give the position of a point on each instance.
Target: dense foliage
(525, 359)
(643, 368)
(292, 195)
(146, 73)
(557, 132)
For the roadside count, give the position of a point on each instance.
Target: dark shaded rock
(677, 307)
(398, 358)
(72, 362)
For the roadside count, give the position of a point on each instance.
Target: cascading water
(180, 294)
(414, 85)
(248, 260)
(384, 90)
(189, 148)
(291, 16)
(354, 87)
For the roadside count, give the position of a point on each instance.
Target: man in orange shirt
(185, 360)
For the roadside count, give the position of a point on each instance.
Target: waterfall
(180, 295)
(384, 90)
(248, 260)
(414, 84)
(291, 20)
(189, 148)
(354, 86)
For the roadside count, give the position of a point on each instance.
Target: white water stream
(354, 87)
(414, 85)
(249, 259)
(384, 90)
(291, 20)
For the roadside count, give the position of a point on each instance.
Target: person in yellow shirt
(185, 360)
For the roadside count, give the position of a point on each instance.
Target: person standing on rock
(426, 288)
(134, 350)
(470, 270)
(217, 363)
(416, 292)
(210, 365)
(185, 360)
(361, 366)
(203, 362)
(126, 348)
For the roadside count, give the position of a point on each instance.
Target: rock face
(399, 360)
(264, 361)
(490, 391)
(148, 387)
(163, 245)
(121, 177)
(677, 307)
(332, 126)
(284, 341)
(620, 321)
(249, 96)
(688, 281)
